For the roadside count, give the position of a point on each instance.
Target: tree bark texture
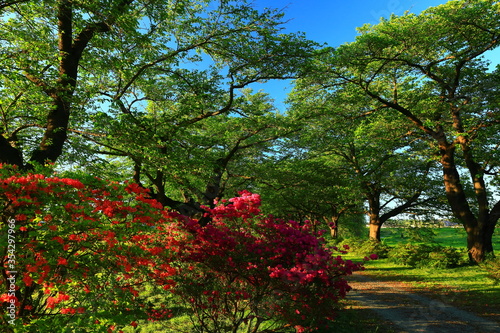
(479, 228)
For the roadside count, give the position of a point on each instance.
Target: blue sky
(335, 21)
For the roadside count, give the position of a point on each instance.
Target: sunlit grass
(354, 319)
(455, 237)
(470, 286)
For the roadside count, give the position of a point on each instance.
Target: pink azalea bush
(90, 256)
(248, 271)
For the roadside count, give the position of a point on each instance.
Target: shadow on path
(414, 313)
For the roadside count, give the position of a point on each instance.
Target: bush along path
(411, 312)
(90, 255)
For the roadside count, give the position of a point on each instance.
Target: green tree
(42, 51)
(157, 86)
(191, 165)
(377, 157)
(307, 188)
(67, 65)
(429, 69)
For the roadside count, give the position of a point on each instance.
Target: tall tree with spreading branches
(429, 68)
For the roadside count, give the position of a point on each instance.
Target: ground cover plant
(90, 255)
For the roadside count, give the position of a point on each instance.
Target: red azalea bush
(90, 256)
(80, 249)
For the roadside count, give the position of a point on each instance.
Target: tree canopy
(429, 69)
(141, 80)
(160, 92)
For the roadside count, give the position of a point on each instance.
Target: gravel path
(410, 312)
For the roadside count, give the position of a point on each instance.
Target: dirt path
(410, 312)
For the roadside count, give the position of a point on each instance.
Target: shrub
(366, 247)
(492, 266)
(425, 255)
(80, 249)
(249, 272)
(410, 254)
(97, 256)
(445, 257)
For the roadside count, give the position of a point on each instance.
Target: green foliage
(157, 89)
(446, 257)
(492, 266)
(412, 92)
(410, 254)
(425, 255)
(423, 234)
(367, 247)
(352, 226)
(307, 188)
(350, 134)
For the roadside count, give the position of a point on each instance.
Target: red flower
(51, 302)
(73, 182)
(58, 239)
(62, 261)
(27, 280)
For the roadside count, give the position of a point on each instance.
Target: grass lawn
(472, 288)
(354, 319)
(455, 237)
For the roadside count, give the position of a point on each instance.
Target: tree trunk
(70, 52)
(332, 223)
(479, 229)
(478, 243)
(375, 221)
(51, 146)
(374, 214)
(9, 154)
(334, 227)
(375, 227)
(334, 232)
